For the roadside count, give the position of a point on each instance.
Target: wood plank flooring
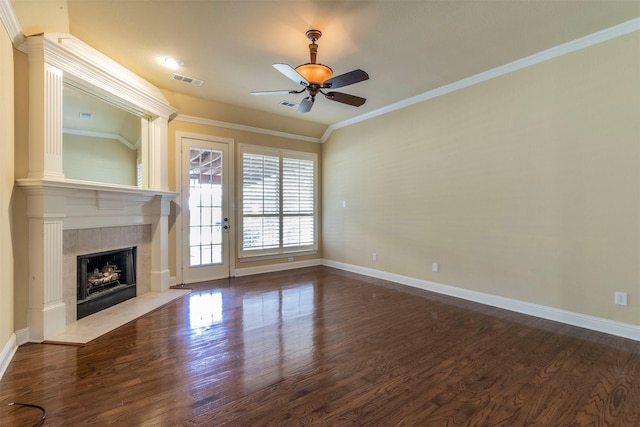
(319, 346)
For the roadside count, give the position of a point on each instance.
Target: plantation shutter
(278, 201)
(297, 195)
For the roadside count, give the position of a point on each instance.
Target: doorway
(206, 220)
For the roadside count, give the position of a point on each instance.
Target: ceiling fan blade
(345, 98)
(306, 105)
(346, 79)
(273, 92)
(291, 73)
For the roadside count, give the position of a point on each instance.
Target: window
(277, 199)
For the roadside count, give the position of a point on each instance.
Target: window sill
(249, 258)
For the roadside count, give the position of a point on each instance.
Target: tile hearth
(91, 327)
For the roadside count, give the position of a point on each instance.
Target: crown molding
(10, 21)
(103, 135)
(554, 52)
(96, 73)
(234, 126)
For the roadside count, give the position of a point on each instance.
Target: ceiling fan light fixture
(315, 73)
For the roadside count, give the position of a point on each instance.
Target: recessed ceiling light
(172, 62)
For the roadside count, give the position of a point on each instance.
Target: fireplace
(105, 279)
(70, 217)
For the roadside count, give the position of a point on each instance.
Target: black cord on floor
(44, 412)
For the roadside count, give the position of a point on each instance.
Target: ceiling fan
(316, 77)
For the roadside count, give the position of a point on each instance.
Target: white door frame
(180, 219)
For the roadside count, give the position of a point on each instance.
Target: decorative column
(46, 211)
(158, 163)
(45, 207)
(158, 180)
(45, 114)
(160, 274)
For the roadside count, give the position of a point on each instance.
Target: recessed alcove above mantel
(55, 202)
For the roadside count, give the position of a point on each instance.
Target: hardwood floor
(318, 346)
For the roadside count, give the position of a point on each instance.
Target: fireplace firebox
(105, 279)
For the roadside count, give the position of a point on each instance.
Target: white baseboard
(550, 313)
(7, 353)
(276, 267)
(22, 336)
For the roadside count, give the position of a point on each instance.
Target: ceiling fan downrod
(313, 35)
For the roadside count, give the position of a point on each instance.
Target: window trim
(281, 251)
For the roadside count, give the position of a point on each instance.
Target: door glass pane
(205, 207)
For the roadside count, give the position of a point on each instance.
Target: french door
(205, 209)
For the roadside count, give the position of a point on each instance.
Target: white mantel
(82, 204)
(55, 203)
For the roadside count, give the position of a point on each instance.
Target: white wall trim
(10, 21)
(550, 313)
(277, 267)
(90, 70)
(554, 52)
(22, 336)
(7, 353)
(234, 126)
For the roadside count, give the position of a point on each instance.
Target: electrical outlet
(290, 259)
(620, 298)
(344, 203)
(374, 256)
(435, 267)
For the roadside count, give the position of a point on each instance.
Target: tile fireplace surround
(93, 240)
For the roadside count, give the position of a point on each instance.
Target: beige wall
(239, 137)
(526, 186)
(6, 187)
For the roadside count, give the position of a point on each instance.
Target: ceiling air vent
(185, 79)
(288, 104)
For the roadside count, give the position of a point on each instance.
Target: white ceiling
(407, 47)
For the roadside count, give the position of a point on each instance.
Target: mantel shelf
(70, 186)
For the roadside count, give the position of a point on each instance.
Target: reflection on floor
(91, 327)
